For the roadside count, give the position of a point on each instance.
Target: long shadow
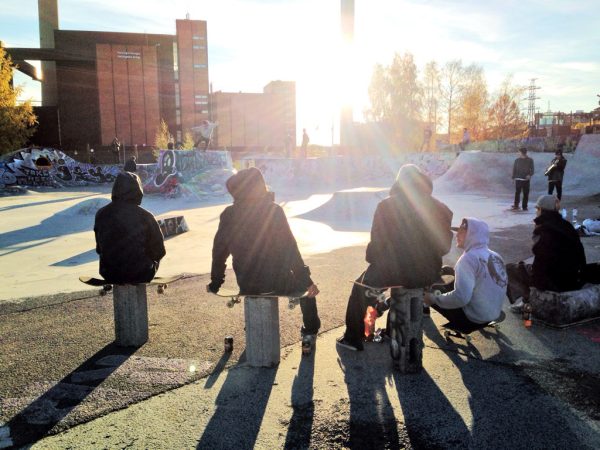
(241, 405)
(77, 260)
(46, 411)
(508, 408)
(373, 423)
(300, 428)
(214, 375)
(47, 202)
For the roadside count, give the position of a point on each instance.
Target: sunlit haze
(252, 42)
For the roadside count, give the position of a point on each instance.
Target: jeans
(558, 185)
(521, 185)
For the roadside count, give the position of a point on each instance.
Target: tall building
(255, 120)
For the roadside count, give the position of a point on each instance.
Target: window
(197, 38)
(198, 47)
(199, 66)
(201, 102)
(178, 117)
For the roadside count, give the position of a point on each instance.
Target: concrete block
(131, 314)
(564, 308)
(262, 331)
(406, 330)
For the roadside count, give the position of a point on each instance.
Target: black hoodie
(410, 233)
(255, 232)
(128, 238)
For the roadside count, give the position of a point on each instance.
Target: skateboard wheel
(291, 305)
(160, 289)
(468, 339)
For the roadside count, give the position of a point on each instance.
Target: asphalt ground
(59, 369)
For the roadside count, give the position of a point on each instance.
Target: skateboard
(235, 297)
(378, 293)
(451, 331)
(162, 283)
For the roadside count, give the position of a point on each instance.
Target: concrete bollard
(262, 331)
(406, 330)
(131, 314)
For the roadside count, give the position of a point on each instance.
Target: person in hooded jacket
(265, 256)
(410, 234)
(479, 284)
(128, 238)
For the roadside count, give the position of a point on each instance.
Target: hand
(428, 298)
(312, 291)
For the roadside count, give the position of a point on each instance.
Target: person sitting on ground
(410, 234)
(130, 165)
(255, 232)
(559, 258)
(480, 281)
(128, 238)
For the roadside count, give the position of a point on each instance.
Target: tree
(163, 136)
(188, 141)
(472, 107)
(431, 93)
(396, 99)
(17, 121)
(505, 119)
(451, 86)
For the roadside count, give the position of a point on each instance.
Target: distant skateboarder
(410, 234)
(255, 232)
(128, 238)
(130, 165)
(556, 172)
(522, 173)
(305, 141)
(466, 139)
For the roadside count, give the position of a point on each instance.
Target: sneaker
(343, 342)
(514, 207)
(517, 307)
(524, 208)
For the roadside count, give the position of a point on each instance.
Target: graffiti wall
(51, 167)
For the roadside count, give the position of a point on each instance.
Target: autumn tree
(188, 141)
(17, 120)
(396, 99)
(431, 93)
(472, 106)
(505, 119)
(163, 136)
(451, 87)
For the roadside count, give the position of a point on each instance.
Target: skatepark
(66, 385)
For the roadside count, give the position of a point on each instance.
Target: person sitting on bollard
(559, 262)
(410, 234)
(479, 284)
(255, 232)
(130, 165)
(128, 238)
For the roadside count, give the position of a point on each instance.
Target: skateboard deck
(235, 297)
(161, 282)
(377, 293)
(452, 331)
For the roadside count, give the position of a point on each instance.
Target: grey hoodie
(480, 285)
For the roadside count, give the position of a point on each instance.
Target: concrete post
(262, 331)
(131, 314)
(406, 330)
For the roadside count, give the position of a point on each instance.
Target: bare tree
(473, 102)
(451, 86)
(431, 93)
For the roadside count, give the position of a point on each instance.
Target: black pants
(558, 185)
(519, 281)
(458, 319)
(522, 185)
(357, 306)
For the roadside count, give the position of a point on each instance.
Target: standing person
(410, 234)
(128, 238)
(116, 150)
(305, 141)
(558, 256)
(426, 139)
(256, 233)
(556, 172)
(522, 173)
(466, 139)
(130, 165)
(480, 280)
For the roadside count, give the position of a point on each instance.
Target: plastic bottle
(574, 216)
(563, 213)
(370, 317)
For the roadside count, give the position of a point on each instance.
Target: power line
(531, 98)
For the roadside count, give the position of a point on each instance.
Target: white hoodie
(480, 283)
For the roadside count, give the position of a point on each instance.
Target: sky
(252, 42)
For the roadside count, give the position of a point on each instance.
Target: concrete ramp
(350, 209)
(589, 144)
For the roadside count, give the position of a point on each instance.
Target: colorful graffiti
(52, 168)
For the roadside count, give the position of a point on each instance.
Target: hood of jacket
(478, 234)
(127, 188)
(411, 181)
(247, 184)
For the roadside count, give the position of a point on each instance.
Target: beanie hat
(547, 203)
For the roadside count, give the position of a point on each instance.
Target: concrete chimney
(48, 18)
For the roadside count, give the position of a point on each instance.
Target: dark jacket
(559, 256)
(556, 170)
(130, 166)
(255, 232)
(128, 238)
(410, 233)
(522, 167)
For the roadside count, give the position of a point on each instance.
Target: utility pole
(531, 98)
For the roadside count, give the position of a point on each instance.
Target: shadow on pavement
(214, 376)
(48, 410)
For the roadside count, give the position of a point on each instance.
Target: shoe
(343, 342)
(525, 208)
(517, 307)
(514, 207)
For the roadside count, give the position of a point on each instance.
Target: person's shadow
(46, 411)
(241, 405)
(300, 427)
